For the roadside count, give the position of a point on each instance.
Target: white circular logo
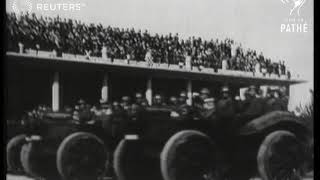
(19, 6)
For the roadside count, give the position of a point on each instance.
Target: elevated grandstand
(48, 64)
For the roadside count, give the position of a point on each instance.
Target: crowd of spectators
(75, 37)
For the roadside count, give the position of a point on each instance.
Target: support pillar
(189, 92)
(55, 92)
(149, 91)
(105, 87)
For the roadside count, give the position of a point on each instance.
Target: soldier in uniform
(103, 116)
(82, 112)
(225, 105)
(197, 102)
(182, 98)
(126, 102)
(274, 102)
(158, 100)
(138, 98)
(173, 101)
(119, 121)
(144, 103)
(225, 110)
(284, 98)
(253, 108)
(204, 94)
(208, 113)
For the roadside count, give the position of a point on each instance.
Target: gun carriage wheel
(13, 153)
(128, 161)
(188, 154)
(81, 155)
(281, 156)
(37, 158)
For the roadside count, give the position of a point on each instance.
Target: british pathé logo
(21, 6)
(294, 23)
(295, 5)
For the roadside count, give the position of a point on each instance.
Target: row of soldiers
(223, 111)
(254, 103)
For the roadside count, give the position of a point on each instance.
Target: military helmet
(252, 87)
(173, 98)
(81, 101)
(195, 94)
(205, 91)
(225, 89)
(157, 96)
(138, 95)
(125, 98)
(115, 103)
(183, 94)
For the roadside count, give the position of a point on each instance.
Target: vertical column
(189, 92)
(104, 89)
(149, 90)
(55, 92)
(288, 98)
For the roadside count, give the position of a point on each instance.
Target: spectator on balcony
(257, 68)
(149, 58)
(57, 34)
(104, 51)
(224, 62)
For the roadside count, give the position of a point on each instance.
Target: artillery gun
(174, 145)
(158, 142)
(60, 145)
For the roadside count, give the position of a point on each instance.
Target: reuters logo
(19, 6)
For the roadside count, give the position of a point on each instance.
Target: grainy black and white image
(159, 90)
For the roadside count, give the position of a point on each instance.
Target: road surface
(15, 177)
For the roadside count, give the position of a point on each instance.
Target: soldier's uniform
(276, 102)
(82, 112)
(204, 93)
(119, 121)
(225, 105)
(126, 103)
(138, 98)
(254, 107)
(209, 108)
(158, 100)
(284, 99)
(182, 100)
(173, 101)
(104, 117)
(225, 111)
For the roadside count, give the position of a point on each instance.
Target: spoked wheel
(13, 153)
(189, 155)
(81, 156)
(281, 157)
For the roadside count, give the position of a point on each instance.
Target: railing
(163, 66)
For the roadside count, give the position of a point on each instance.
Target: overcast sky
(254, 23)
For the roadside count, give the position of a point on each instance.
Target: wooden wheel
(128, 161)
(281, 157)
(81, 156)
(188, 155)
(13, 153)
(36, 160)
